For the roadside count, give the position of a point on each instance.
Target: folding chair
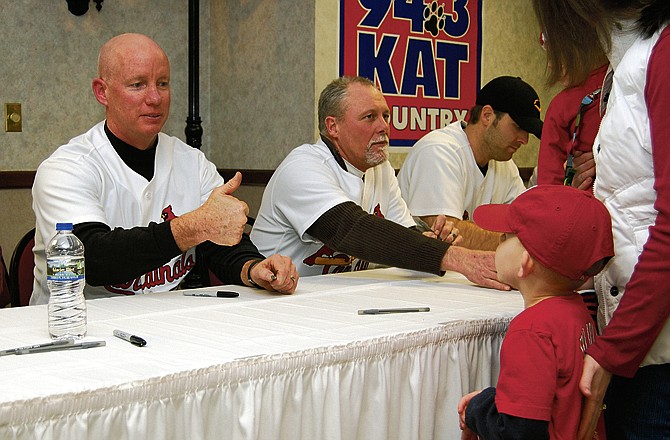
(21, 270)
(5, 297)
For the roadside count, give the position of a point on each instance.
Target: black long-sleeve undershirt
(482, 416)
(118, 255)
(349, 229)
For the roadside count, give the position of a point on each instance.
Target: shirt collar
(336, 154)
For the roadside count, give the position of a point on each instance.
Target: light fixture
(80, 7)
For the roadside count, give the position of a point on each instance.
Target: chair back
(21, 270)
(5, 297)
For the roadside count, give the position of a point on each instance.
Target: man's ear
(100, 90)
(527, 266)
(487, 115)
(332, 127)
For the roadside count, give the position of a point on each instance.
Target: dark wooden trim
(25, 179)
(249, 177)
(16, 179)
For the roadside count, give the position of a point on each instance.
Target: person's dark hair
(332, 97)
(653, 16)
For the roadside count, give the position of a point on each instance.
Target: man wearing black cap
(455, 169)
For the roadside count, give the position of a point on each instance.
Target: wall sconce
(80, 7)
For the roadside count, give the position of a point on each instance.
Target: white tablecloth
(262, 366)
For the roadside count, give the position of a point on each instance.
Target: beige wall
(263, 63)
(262, 79)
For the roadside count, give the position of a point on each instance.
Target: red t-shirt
(541, 362)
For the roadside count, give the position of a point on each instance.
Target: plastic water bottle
(65, 280)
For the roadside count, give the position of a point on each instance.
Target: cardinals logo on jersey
(167, 214)
(328, 258)
(169, 273)
(378, 211)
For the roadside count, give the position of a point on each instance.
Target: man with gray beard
(335, 206)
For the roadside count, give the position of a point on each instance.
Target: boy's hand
(462, 406)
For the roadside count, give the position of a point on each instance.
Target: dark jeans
(639, 408)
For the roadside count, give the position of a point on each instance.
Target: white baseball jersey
(308, 183)
(440, 176)
(86, 181)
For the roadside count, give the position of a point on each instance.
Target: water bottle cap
(63, 226)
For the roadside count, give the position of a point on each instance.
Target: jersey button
(614, 291)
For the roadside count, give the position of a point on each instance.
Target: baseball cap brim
(530, 124)
(493, 217)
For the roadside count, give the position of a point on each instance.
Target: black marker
(219, 294)
(135, 340)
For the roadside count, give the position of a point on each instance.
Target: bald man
(142, 201)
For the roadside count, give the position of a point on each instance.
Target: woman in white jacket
(632, 154)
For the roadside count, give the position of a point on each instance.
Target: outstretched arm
(347, 228)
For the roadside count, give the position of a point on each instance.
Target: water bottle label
(57, 271)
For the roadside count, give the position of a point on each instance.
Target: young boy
(555, 237)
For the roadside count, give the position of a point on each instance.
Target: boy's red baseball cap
(566, 229)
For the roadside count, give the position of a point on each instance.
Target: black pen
(43, 346)
(219, 294)
(72, 346)
(387, 311)
(135, 340)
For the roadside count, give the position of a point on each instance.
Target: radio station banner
(424, 55)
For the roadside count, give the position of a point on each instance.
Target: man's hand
(444, 230)
(469, 234)
(276, 273)
(593, 385)
(478, 266)
(224, 214)
(220, 219)
(585, 169)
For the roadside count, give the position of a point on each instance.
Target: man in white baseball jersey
(335, 205)
(141, 201)
(455, 169)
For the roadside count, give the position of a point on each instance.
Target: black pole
(199, 276)
(193, 129)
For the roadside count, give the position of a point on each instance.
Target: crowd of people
(143, 203)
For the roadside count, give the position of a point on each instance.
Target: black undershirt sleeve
(119, 255)
(348, 228)
(226, 261)
(483, 418)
